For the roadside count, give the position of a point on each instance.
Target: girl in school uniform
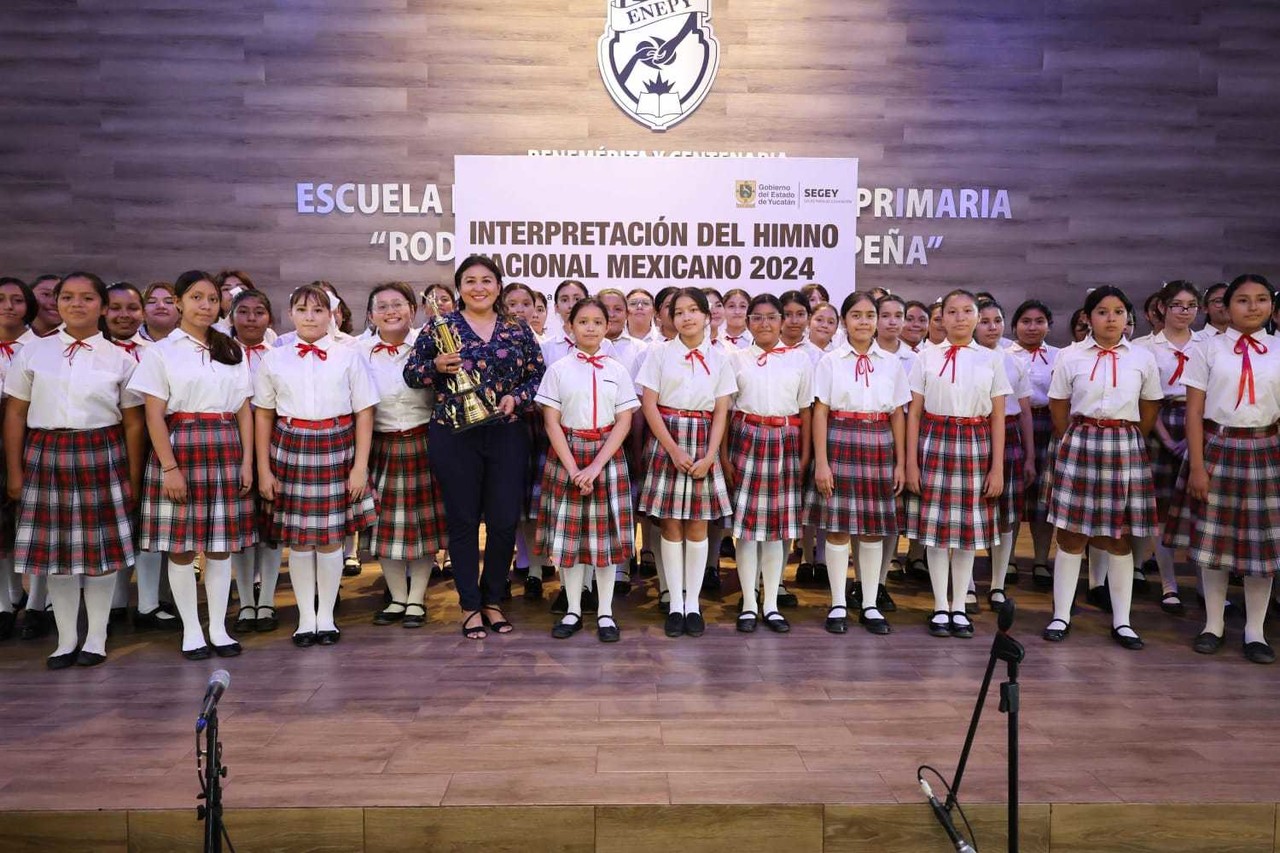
(17, 309)
(586, 524)
(640, 311)
(687, 386)
(915, 324)
(125, 317)
(538, 319)
(1032, 321)
(823, 325)
(1019, 449)
(313, 427)
(410, 527)
(161, 309)
(1179, 303)
(251, 318)
(859, 424)
(73, 435)
(795, 328)
(769, 430)
(715, 302)
(1226, 517)
(47, 319)
(955, 457)
(1104, 398)
(196, 496)
(736, 330)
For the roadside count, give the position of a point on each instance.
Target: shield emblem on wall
(658, 58)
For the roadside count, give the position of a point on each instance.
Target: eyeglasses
(765, 318)
(640, 303)
(384, 307)
(1183, 306)
(1217, 302)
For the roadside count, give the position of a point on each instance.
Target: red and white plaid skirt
(311, 467)
(951, 512)
(73, 518)
(1099, 483)
(767, 504)
(671, 493)
(1238, 527)
(215, 518)
(1035, 507)
(596, 529)
(410, 523)
(861, 456)
(1165, 465)
(1009, 514)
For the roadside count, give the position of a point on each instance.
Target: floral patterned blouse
(508, 363)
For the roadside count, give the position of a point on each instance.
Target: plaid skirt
(311, 467)
(539, 448)
(671, 493)
(1165, 466)
(596, 529)
(73, 518)
(951, 511)
(1099, 483)
(1238, 527)
(410, 523)
(1011, 500)
(766, 503)
(215, 518)
(1035, 507)
(861, 456)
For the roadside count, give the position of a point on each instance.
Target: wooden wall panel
(143, 137)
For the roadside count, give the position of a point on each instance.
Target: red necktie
(311, 349)
(130, 347)
(950, 358)
(6, 349)
(1182, 358)
(1039, 351)
(864, 368)
(692, 354)
(764, 356)
(1115, 365)
(1246, 343)
(596, 361)
(73, 348)
(733, 339)
(250, 349)
(389, 349)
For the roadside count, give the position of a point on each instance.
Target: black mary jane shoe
(1207, 643)
(90, 659)
(747, 623)
(266, 624)
(351, 567)
(564, 630)
(246, 620)
(1099, 597)
(877, 624)
(777, 623)
(936, 628)
(1259, 653)
(621, 589)
(1125, 641)
(152, 621)
(533, 589)
(664, 603)
(994, 603)
(199, 653)
(1041, 576)
(694, 624)
(62, 661)
(328, 638)
(230, 650)
(786, 598)
(712, 582)
(590, 601)
(1171, 603)
(962, 630)
(885, 602)
(35, 624)
(305, 640)
(414, 620)
(820, 574)
(674, 626)
(609, 633)
(499, 625)
(1011, 576)
(1056, 635)
(837, 624)
(804, 574)
(388, 616)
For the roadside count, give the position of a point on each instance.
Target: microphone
(944, 818)
(218, 683)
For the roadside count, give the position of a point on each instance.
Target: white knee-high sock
(14, 581)
(961, 577)
(302, 576)
(605, 579)
(1066, 574)
(147, 568)
(672, 565)
(350, 544)
(1168, 570)
(182, 583)
(244, 564)
(773, 559)
(1098, 560)
(838, 572)
(97, 606)
(37, 593)
(269, 574)
(1214, 583)
(328, 579)
(939, 560)
(889, 546)
(747, 555)
(217, 593)
(1120, 586)
(1000, 555)
(6, 585)
(120, 593)
(695, 569)
(64, 591)
(869, 554)
(1257, 597)
(571, 577)
(419, 578)
(393, 572)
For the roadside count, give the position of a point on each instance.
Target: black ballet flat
(877, 625)
(991, 598)
(837, 624)
(1207, 643)
(390, 617)
(885, 602)
(1171, 603)
(747, 623)
(328, 638)
(959, 629)
(1011, 576)
(90, 659)
(245, 624)
(564, 630)
(1259, 653)
(201, 653)
(777, 623)
(62, 661)
(712, 580)
(1127, 642)
(939, 629)
(610, 633)
(230, 650)
(305, 640)
(674, 626)
(152, 622)
(694, 624)
(414, 620)
(118, 616)
(266, 624)
(1056, 635)
(351, 567)
(533, 589)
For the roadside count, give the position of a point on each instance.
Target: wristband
(170, 468)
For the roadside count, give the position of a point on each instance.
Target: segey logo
(658, 58)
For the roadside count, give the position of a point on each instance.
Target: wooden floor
(399, 718)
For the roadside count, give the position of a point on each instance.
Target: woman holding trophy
(485, 369)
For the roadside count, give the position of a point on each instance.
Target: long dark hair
(28, 296)
(222, 348)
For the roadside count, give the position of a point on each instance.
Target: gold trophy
(471, 404)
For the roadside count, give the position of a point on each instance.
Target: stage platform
(408, 740)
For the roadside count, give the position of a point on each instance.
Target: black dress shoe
(533, 589)
(7, 621)
(1125, 641)
(885, 602)
(648, 566)
(590, 601)
(1207, 643)
(777, 623)
(564, 630)
(804, 574)
(35, 624)
(608, 633)
(837, 624)
(747, 623)
(1259, 653)
(1056, 635)
(996, 599)
(62, 661)
(305, 640)
(712, 580)
(621, 589)
(328, 638)
(1042, 576)
(230, 650)
(727, 548)
(266, 624)
(90, 659)
(664, 604)
(1011, 576)
(939, 629)
(694, 624)
(388, 616)
(1171, 603)
(1100, 597)
(246, 619)
(351, 567)
(877, 624)
(674, 626)
(787, 598)
(961, 629)
(560, 606)
(155, 621)
(820, 574)
(200, 653)
(413, 619)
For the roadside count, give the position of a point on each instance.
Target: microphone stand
(209, 765)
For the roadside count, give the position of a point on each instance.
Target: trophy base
(466, 425)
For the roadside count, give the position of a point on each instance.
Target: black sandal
(500, 625)
(414, 620)
(475, 632)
